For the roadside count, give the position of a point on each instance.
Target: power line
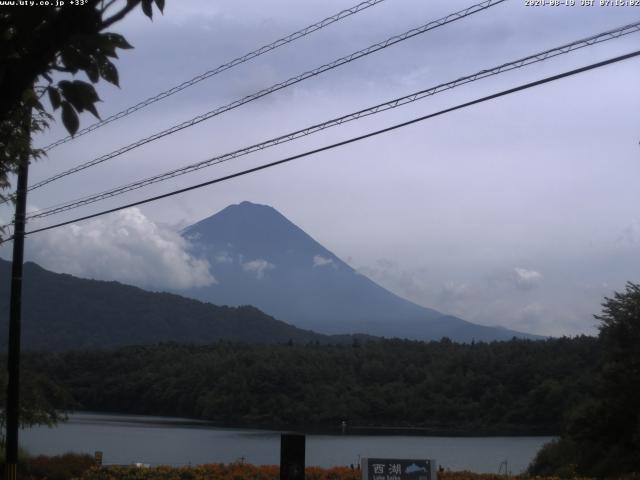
(279, 86)
(346, 142)
(522, 62)
(236, 61)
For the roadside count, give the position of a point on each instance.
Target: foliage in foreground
(81, 467)
(42, 467)
(239, 471)
(555, 459)
(39, 397)
(59, 467)
(602, 435)
(39, 46)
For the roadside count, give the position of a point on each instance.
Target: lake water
(174, 441)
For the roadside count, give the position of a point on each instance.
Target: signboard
(398, 469)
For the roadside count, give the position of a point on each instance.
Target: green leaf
(107, 46)
(160, 4)
(70, 118)
(92, 70)
(92, 108)
(71, 59)
(117, 40)
(81, 95)
(85, 92)
(37, 105)
(147, 8)
(109, 51)
(109, 72)
(72, 94)
(68, 92)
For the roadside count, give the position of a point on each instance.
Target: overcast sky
(522, 212)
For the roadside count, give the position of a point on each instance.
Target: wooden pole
(15, 314)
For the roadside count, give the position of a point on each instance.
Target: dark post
(15, 310)
(292, 448)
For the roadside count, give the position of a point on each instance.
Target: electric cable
(391, 104)
(344, 142)
(221, 68)
(279, 86)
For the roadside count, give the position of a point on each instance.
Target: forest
(585, 390)
(516, 387)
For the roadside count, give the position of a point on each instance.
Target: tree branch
(104, 8)
(60, 69)
(120, 15)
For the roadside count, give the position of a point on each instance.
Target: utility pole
(15, 313)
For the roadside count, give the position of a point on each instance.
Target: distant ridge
(261, 258)
(62, 312)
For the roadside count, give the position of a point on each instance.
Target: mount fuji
(260, 258)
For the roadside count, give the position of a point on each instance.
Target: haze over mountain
(260, 258)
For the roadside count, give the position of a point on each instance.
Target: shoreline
(350, 430)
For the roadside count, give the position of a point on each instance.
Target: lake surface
(174, 441)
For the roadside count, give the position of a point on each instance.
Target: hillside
(62, 312)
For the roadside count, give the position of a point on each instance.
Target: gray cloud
(562, 301)
(452, 293)
(630, 235)
(515, 278)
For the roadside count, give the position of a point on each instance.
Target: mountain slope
(63, 312)
(261, 258)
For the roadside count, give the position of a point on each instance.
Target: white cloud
(125, 246)
(504, 280)
(223, 257)
(320, 261)
(526, 278)
(193, 237)
(258, 267)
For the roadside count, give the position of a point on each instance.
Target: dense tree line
(502, 387)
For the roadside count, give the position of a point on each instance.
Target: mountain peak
(261, 258)
(248, 204)
(254, 231)
(242, 212)
(251, 207)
